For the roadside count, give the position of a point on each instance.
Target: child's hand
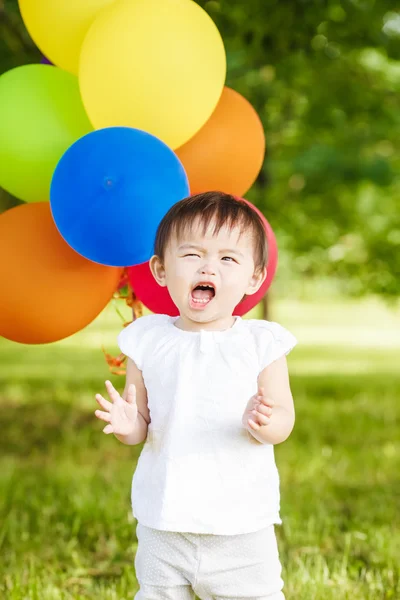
(258, 411)
(120, 415)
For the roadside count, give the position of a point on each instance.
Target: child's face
(224, 261)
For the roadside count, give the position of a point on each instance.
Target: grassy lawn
(66, 530)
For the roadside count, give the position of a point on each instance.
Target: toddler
(210, 394)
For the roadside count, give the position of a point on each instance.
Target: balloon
(251, 301)
(111, 189)
(228, 151)
(156, 65)
(58, 27)
(158, 300)
(41, 116)
(48, 292)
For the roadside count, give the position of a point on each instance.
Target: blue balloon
(111, 189)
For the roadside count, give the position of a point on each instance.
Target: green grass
(66, 530)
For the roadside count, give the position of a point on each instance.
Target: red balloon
(158, 300)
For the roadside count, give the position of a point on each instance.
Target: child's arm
(127, 416)
(274, 416)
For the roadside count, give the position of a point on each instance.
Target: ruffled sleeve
(134, 339)
(272, 340)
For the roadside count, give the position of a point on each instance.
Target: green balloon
(41, 116)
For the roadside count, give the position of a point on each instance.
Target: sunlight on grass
(66, 529)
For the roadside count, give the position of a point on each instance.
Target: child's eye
(229, 258)
(191, 255)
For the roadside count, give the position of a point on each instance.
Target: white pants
(173, 565)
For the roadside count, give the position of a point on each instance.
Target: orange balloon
(228, 151)
(48, 291)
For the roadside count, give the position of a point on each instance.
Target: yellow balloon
(58, 27)
(156, 65)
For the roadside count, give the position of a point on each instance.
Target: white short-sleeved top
(200, 470)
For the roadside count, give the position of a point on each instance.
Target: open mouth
(202, 295)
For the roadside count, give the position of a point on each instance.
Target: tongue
(202, 294)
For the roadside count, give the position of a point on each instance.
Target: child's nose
(207, 269)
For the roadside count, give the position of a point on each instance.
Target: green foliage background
(324, 77)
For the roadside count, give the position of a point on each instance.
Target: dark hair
(224, 209)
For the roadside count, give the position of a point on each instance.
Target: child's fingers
(104, 416)
(103, 402)
(264, 409)
(260, 394)
(263, 399)
(268, 402)
(253, 425)
(131, 395)
(264, 420)
(112, 392)
(108, 429)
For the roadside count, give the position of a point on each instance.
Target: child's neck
(218, 324)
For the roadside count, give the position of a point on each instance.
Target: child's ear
(158, 271)
(256, 281)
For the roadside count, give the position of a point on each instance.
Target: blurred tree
(324, 77)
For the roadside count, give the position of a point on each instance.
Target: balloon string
(115, 362)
